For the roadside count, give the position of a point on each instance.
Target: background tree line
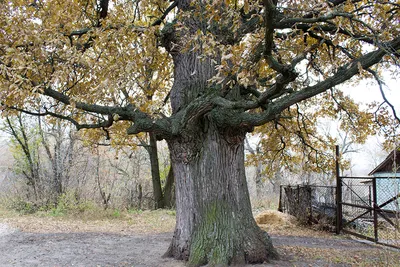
(51, 161)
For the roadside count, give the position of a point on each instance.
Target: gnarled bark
(214, 220)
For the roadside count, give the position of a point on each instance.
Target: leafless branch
(380, 84)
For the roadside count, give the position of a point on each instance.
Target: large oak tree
(222, 67)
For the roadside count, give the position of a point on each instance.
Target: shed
(387, 175)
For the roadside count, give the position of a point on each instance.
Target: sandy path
(6, 230)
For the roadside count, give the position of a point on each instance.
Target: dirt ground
(65, 246)
(84, 249)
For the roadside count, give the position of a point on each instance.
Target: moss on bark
(222, 239)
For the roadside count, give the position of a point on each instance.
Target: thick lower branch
(273, 109)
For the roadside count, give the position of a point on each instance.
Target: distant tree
(42, 154)
(24, 145)
(58, 142)
(224, 67)
(162, 195)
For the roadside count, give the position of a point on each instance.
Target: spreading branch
(344, 73)
(165, 14)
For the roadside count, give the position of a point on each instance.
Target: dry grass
(158, 221)
(273, 218)
(278, 223)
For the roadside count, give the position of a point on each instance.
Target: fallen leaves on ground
(378, 257)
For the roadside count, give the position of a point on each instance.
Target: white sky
(370, 154)
(368, 91)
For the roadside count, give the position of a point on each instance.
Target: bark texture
(214, 219)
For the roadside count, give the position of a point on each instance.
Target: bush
(22, 206)
(67, 203)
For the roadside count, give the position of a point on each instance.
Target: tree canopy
(96, 63)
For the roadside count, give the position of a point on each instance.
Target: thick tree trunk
(214, 221)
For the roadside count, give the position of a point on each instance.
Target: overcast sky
(371, 154)
(368, 91)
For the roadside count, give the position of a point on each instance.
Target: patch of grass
(92, 220)
(68, 204)
(116, 213)
(56, 212)
(135, 211)
(171, 212)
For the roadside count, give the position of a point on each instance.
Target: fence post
(338, 194)
(370, 199)
(309, 196)
(375, 199)
(298, 195)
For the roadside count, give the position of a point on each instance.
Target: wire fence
(357, 206)
(309, 203)
(368, 208)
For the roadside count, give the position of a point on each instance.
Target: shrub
(67, 203)
(22, 206)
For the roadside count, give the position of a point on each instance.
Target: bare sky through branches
(371, 153)
(368, 91)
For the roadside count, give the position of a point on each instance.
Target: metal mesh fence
(379, 222)
(309, 203)
(369, 207)
(357, 213)
(386, 189)
(388, 201)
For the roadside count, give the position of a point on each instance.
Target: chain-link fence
(358, 213)
(309, 203)
(357, 206)
(370, 208)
